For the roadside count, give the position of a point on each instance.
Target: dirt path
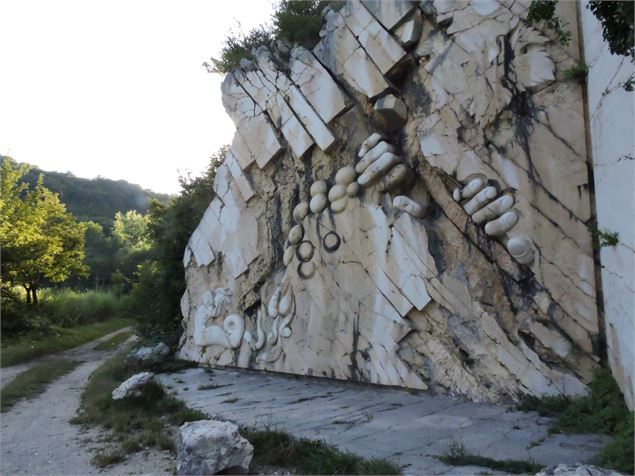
(8, 373)
(37, 438)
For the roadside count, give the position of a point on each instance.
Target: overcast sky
(116, 88)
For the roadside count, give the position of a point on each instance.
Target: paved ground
(36, 437)
(409, 429)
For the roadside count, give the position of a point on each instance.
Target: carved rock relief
(403, 205)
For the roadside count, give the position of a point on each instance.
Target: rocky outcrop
(405, 204)
(209, 447)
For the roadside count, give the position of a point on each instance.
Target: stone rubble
(419, 207)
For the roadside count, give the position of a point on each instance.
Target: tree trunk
(28, 294)
(34, 292)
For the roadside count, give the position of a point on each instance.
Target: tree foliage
(545, 11)
(617, 24)
(156, 295)
(95, 199)
(40, 239)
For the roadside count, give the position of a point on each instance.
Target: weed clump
(275, 448)
(458, 456)
(602, 411)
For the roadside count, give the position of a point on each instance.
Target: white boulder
(209, 446)
(577, 470)
(133, 387)
(151, 354)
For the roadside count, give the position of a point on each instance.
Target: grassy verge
(24, 349)
(152, 420)
(34, 381)
(602, 411)
(115, 341)
(457, 456)
(274, 448)
(136, 423)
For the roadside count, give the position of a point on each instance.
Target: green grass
(274, 448)
(23, 349)
(67, 307)
(34, 381)
(602, 411)
(457, 456)
(115, 341)
(136, 423)
(151, 420)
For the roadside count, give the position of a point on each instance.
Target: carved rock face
(430, 235)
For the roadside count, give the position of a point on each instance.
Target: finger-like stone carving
(377, 169)
(296, 234)
(369, 143)
(521, 249)
(494, 209)
(300, 211)
(372, 155)
(479, 200)
(288, 255)
(472, 188)
(345, 175)
(337, 192)
(391, 113)
(502, 224)
(338, 206)
(306, 270)
(305, 251)
(318, 203)
(318, 187)
(398, 175)
(409, 206)
(353, 189)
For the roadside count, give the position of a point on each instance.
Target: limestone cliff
(405, 204)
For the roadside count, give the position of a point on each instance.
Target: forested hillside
(96, 199)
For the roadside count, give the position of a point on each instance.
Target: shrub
(67, 308)
(294, 22)
(155, 299)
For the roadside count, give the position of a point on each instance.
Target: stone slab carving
(436, 236)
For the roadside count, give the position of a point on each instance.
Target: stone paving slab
(410, 429)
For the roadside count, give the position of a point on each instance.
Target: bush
(294, 22)
(67, 308)
(59, 307)
(602, 411)
(155, 300)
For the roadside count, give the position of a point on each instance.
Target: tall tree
(41, 240)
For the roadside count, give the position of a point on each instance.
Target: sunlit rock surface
(404, 205)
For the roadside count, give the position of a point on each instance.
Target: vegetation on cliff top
(293, 22)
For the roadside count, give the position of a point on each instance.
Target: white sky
(116, 87)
